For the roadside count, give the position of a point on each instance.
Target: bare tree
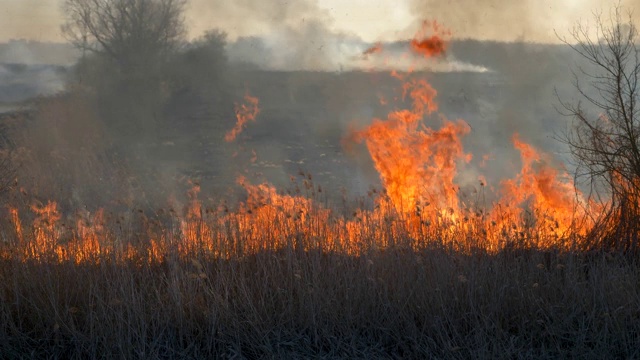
(132, 33)
(605, 137)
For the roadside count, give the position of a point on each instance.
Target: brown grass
(436, 296)
(291, 303)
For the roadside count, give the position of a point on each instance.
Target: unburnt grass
(294, 303)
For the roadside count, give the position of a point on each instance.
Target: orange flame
(421, 201)
(549, 192)
(433, 45)
(416, 163)
(248, 111)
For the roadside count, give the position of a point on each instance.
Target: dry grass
(292, 303)
(298, 295)
(283, 288)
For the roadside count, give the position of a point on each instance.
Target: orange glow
(418, 154)
(548, 195)
(416, 163)
(245, 112)
(430, 45)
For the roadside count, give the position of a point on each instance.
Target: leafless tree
(132, 33)
(604, 139)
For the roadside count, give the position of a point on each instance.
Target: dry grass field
(352, 215)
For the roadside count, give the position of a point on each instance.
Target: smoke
(310, 47)
(528, 70)
(300, 35)
(248, 17)
(399, 56)
(314, 98)
(502, 20)
(505, 20)
(31, 19)
(276, 34)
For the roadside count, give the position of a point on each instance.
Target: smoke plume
(504, 20)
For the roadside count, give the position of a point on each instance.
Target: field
(396, 303)
(362, 215)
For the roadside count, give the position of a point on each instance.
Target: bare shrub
(134, 34)
(605, 137)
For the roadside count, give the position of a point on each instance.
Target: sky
(371, 20)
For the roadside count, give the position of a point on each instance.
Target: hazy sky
(532, 20)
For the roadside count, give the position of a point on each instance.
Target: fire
(245, 112)
(546, 190)
(418, 166)
(418, 154)
(416, 163)
(433, 45)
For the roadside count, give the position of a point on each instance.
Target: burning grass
(281, 276)
(270, 220)
(417, 269)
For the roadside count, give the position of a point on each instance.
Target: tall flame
(418, 165)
